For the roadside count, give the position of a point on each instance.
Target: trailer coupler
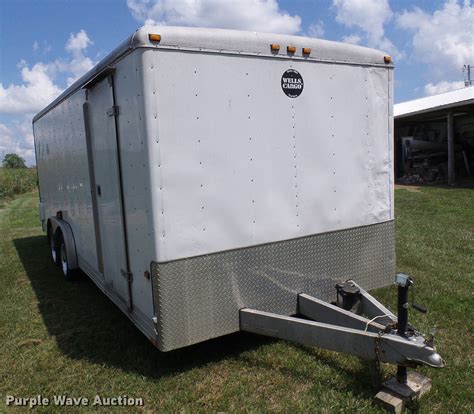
(372, 333)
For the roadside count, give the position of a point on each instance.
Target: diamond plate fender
(199, 298)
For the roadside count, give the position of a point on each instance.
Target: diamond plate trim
(199, 298)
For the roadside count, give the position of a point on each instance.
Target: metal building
(434, 137)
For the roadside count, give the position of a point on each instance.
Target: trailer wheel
(53, 246)
(69, 274)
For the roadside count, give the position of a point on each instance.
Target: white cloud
(316, 30)
(441, 87)
(78, 42)
(258, 15)
(443, 39)
(18, 138)
(353, 39)
(39, 85)
(80, 64)
(370, 16)
(37, 90)
(41, 48)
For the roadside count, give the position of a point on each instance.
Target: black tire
(53, 247)
(69, 274)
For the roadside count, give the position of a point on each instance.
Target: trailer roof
(228, 42)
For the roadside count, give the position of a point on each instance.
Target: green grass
(16, 181)
(58, 337)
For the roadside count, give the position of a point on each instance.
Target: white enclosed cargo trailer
(194, 173)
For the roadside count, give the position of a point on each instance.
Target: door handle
(99, 191)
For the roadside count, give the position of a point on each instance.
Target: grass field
(58, 337)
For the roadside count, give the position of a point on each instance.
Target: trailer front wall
(258, 196)
(236, 163)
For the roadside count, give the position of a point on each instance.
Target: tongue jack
(404, 282)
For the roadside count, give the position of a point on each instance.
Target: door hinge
(127, 275)
(113, 110)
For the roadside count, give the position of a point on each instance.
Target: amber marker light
(306, 51)
(275, 47)
(154, 37)
(387, 59)
(291, 49)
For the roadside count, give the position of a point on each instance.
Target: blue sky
(45, 45)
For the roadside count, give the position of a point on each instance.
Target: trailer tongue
(357, 324)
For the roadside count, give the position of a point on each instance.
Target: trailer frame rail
(331, 327)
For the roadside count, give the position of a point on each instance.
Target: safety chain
(388, 328)
(377, 351)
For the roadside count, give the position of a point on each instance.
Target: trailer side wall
(63, 170)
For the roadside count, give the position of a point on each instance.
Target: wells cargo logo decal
(292, 83)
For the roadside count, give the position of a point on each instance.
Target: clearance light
(291, 49)
(387, 59)
(154, 37)
(306, 51)
(275, 47)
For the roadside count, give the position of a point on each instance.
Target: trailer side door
(110, 223)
